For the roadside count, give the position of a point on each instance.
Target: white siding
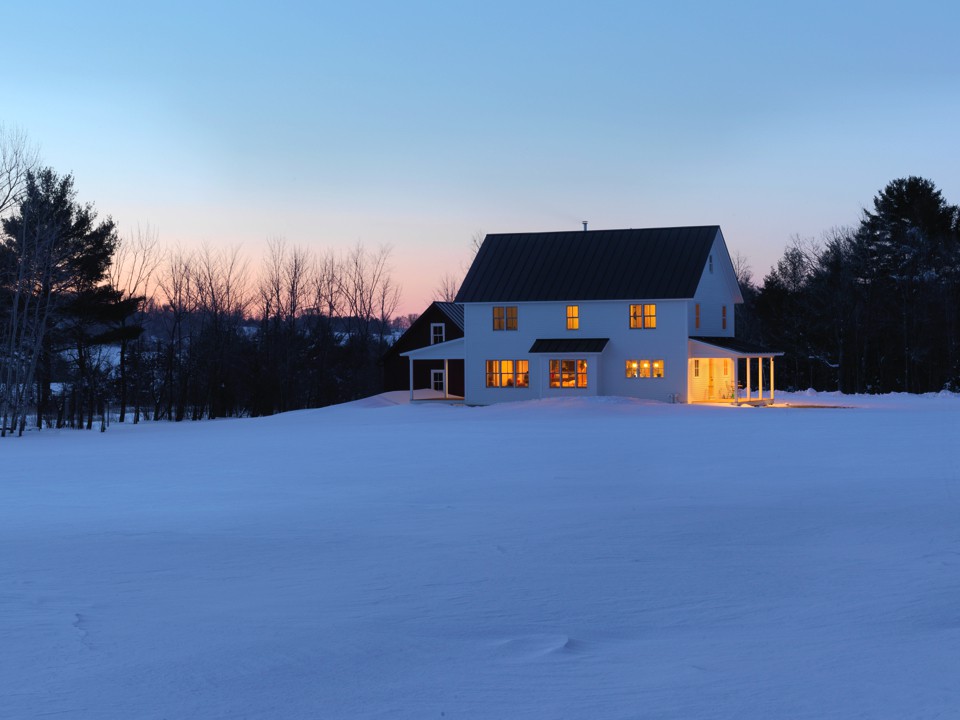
(716, 289)
(598, 319)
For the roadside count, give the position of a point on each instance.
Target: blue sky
(418, 124)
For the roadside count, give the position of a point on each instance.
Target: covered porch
(714, 371)
(444, 371)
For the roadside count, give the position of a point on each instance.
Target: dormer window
(437, 333)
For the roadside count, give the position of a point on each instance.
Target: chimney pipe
(584, 225)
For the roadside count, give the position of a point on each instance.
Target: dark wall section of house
(396, 369)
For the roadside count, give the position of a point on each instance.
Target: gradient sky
(420, 123)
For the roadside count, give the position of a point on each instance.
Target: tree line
(867, 309)
(94, 325)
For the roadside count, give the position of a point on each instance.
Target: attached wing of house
(435, 339)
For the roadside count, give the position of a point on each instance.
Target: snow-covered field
(553, 559)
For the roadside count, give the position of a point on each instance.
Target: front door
(437, 381)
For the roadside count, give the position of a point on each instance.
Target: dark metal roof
(653, 263)
(569, 345)
(737, 346)
(454, 311)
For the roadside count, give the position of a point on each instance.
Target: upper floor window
(505, 317)
(573, 317)
(724, 318)
(711, 263)
(437, 333)
(697, 316)
(643, 317)
(568, 373)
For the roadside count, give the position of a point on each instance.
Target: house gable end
(723, 269)
(419, 333)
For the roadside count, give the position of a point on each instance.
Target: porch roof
(449, 350)
(587, 346)
(728, 347)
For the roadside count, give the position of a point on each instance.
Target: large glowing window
(568, 373)
(523, 373)
(647, 368)
(508, 373)
(643, 317)
(573, 317)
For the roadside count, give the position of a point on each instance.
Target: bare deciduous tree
(742, 269)
(476, 240)
(446, 291)
(17, 158)
(132, 274)
(175, 286)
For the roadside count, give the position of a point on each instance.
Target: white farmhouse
(643, 313)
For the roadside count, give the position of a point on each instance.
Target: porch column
(446, 378)
(736, 382)
(771, 378)
(411, 378)
(748, 378)
(760, 378)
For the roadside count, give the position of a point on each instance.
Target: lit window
(493, 373)
(643, 317)
(696, 368)
(498, 322)
(697, 312)
(650, 368)
(437, 333)
(568, 373)
(505, 317)
(508, 373)
(726, 367)
(724, 324)
(523, 373)
(573, 317)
